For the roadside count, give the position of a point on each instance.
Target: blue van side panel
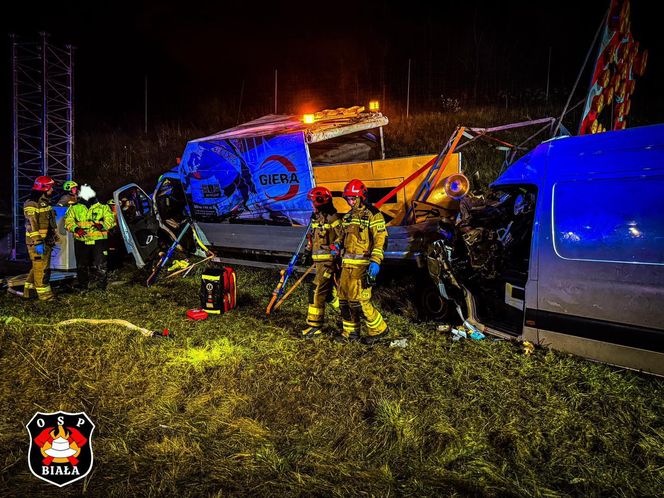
(260, 179)
(606, 268)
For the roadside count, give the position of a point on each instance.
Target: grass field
(238, 405)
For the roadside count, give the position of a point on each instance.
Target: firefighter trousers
(91, 259)
(38, 282)
(322, 291)
(355, 303)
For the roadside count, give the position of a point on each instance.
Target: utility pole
(45, 107)
(239, 107)
(548, 74)
(275, 91)
(408, 92)
(146, 104)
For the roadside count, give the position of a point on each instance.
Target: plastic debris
(476, 335)
(178, 264)
(464, 331)
(399, 343)
(458, 334)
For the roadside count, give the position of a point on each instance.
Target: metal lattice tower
(43, 121)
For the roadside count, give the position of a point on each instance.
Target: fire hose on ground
(92, 321)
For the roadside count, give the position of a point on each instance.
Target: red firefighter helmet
(320, 196)
(43, 183)
(356, 188)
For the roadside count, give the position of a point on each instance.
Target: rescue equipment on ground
(285, 274)
(197, 314)
(178, 264)
(191, 266)
(293, 287)
(218, 290)
(164, 259)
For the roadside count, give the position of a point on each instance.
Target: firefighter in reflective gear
(40, 237)
(89, 221)
(324, 242)
(70, 196)
(365, 236)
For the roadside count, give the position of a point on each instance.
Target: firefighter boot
(342, 338)
(29, 290)
(311, 333)
(373, 339)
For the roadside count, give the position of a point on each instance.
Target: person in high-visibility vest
(40, 237)
(90, 220)
(364, 240)
(324, 240)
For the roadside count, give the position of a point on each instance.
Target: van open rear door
(137, 221)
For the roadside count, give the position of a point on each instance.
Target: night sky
(328, 54)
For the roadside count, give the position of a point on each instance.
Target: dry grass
(237, 405)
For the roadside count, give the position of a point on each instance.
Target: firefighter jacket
(81, 216)
(365, 236)
(40, 223)
(325, 231)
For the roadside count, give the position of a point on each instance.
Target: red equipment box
(197, 314)
(218, 290)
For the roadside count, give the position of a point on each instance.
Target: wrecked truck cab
(247, 187)
(569, 252)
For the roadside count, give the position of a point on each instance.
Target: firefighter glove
(99, 226)
(373, 269)
(39, 248)
(80, 232)
(334, 249)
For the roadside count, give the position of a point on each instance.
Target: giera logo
(60, 447)
(288, 178)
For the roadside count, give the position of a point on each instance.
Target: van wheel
(431, 305)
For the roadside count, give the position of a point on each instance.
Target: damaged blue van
(568, 249)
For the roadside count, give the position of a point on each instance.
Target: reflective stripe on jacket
(40, 223)
(365, 236)
(80, 216)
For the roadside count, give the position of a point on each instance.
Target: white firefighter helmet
(60, 448)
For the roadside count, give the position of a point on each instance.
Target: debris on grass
(528, 348)
(399, 343)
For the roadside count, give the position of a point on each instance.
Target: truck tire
(430, 304)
